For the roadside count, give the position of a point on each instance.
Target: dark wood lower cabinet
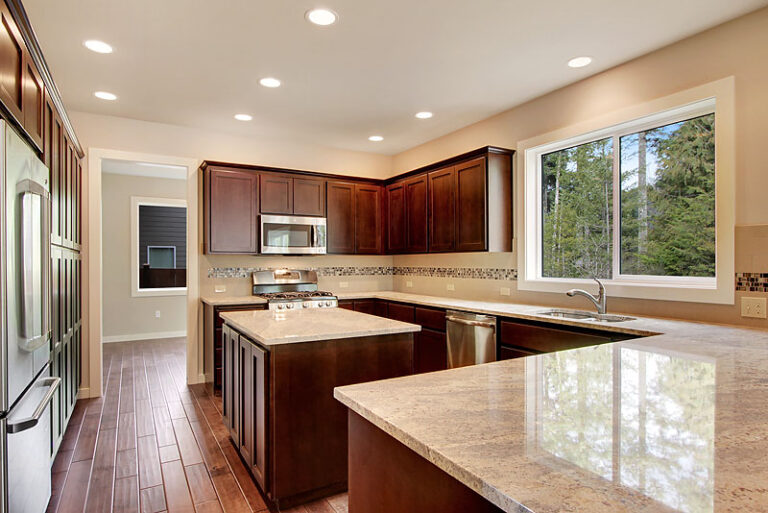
(385, 476)
(430, 351)
(279, 408)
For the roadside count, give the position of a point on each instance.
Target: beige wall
(738, 48)
(124, 316)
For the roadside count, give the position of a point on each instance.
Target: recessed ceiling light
(243, 117)
(322, 17)
(424, 115)
(376, 138)
(103, 95)
(97, 46)
(269, 82)
(579, 62)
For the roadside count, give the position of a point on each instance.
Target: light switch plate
(219, 288)
(157, 314)
(450, 286)
(504, 291)
(753, 307)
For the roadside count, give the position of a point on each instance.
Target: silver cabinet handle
(30, 422)
(35, 263)
(470, 323)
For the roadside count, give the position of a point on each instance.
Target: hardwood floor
(154, 444)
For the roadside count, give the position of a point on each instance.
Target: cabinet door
(246, 400)
(341, 217)
(430, 351)
(397, 228)
(232, 206)
(510, 353)
(400, 312)
(55, 169)
(442, 210)
(226, 378)
(416, 199)
(471, 206)
(11, 64)
(33, 101)
(276, 194)
(347, 304)
(368, 233)
(309, 197)
(544, 339)
(258, 386)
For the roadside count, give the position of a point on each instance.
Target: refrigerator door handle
(31, 421)
(35, 262)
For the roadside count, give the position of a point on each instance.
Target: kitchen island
(280, 369)
(671, 422)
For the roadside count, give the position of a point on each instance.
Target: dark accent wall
(163, 226)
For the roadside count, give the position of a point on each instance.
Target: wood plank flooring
(154, 444)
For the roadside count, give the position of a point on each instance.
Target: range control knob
(305, 305)
(280, 306)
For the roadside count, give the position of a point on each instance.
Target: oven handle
(313, 235)
(30, 422)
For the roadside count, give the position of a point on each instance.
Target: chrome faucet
(600, 302)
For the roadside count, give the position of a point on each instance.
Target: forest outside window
(632, 204)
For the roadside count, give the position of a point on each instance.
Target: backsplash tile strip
(486, 273)
(752, 282)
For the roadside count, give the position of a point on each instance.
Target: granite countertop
(671, 422)
(232, 300)
(271, 328)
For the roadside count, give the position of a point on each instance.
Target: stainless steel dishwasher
(471, 338)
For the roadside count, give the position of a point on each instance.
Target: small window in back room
(162, 246)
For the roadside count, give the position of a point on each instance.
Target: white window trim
(136, 202)
(686, 104)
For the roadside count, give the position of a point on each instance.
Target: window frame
(716, 97)
(136, 290)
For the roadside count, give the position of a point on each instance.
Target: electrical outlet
(343, 284)
(409, 284)
(450, 286)
(157, 314)
(219, 289)
(753, 307)
(504, 291)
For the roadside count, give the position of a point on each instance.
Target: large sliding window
(633, 204)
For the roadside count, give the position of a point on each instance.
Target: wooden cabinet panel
(417, 214)
(231, 211)
(400, 312)
(368, 219)
(276, 194)
(11, 64)
(430, 351)
(258, 414)
(432, 318)
(56, 176)
(33, 101)
(442, 210)
(308, 197)
(509, 353)
(397, 228)
(341, 217)
(246, 394)
(545, 339)
(471, 206)
(347, 304)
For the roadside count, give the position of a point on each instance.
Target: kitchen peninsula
(280, 369)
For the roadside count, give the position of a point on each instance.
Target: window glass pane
(668, 200)
(577, 204)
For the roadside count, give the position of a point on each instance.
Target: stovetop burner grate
(294, 295)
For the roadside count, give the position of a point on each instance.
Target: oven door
(293, 235)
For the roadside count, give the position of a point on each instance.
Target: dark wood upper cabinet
(231, 211)
(368, 219)
(397, 228)
(276, 194)
(416, 199)
(308, 197)
(442, 210)
(11, 64)
(471, 206)
(33, 102)
(341, 217)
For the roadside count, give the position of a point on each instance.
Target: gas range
(286, 289)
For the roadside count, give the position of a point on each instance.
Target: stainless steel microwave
(293, 235)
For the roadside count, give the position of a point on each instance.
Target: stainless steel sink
(582, 315)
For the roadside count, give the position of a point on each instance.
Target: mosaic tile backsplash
(486, 273)
(752, 282)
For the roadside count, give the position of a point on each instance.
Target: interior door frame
(91, 386)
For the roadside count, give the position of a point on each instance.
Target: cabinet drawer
(347, 304)
(367, 306)
(431, 318)
(545, 339)
(400, 312)
(509, 353)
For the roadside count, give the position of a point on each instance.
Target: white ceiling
(198, 62)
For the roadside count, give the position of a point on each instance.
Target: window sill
(170, 291)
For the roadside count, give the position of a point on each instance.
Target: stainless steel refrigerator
(26, 387)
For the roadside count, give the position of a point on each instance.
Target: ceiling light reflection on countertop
(580, 62)
(322, 17)
(424, 115)
(97, 46)
(243, 117)
(375, 138)
(104, 95)
(270, 82)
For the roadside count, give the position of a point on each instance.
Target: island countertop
(672, 422)
(271, 328)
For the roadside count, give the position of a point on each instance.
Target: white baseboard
(142, 336)
(83, 393)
